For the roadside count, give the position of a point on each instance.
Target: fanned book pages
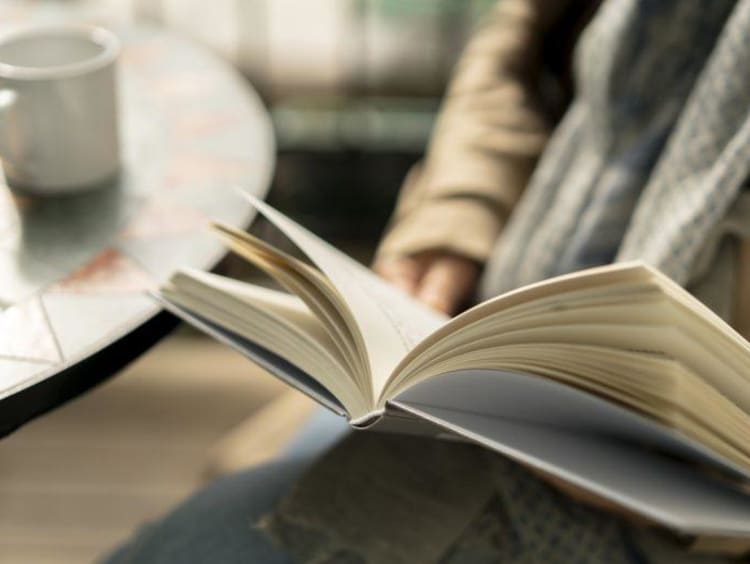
(613, 379)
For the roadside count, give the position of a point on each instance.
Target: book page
(276, 365)
(391, 322)
(585, 280)
(276, 321)
(286, 307)
(315, 290)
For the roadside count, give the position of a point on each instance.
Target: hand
(440, 279)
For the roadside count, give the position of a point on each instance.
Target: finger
(446, 284)
(404, 272)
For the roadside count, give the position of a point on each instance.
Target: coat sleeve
(486, 141)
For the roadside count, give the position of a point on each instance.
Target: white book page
(391, 322)
(286, 307)
(276, 365)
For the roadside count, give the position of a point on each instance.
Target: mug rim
(109, 42)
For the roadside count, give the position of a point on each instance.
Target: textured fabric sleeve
(488, 136)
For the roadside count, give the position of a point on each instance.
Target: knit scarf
(651, 154)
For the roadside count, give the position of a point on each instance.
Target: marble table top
(74, 271)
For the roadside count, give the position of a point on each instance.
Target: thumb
(404, 272)
(445, 285)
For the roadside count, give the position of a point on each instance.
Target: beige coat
(507, 90)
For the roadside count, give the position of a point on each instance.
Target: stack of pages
(614, 379)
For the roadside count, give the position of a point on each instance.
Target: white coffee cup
(58, 109)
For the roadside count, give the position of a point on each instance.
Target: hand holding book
(443, 280)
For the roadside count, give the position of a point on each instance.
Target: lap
(218, 523)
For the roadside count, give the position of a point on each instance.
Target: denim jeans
(217, 524)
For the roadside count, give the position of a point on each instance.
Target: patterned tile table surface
(74, 271)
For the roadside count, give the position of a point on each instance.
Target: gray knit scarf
(652, 153)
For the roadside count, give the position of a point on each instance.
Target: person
(573, 134)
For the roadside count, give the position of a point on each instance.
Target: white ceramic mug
(58, 109)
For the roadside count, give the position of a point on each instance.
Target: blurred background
(352, 87)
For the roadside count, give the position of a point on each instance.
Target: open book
(614, 379)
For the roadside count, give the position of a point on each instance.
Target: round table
(75, 271)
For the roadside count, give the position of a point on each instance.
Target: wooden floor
(77, 481)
